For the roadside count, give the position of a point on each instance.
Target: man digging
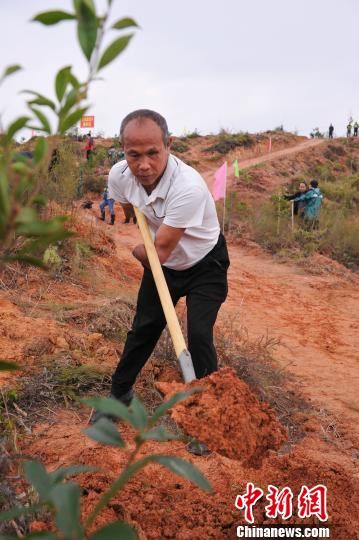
(192, 251)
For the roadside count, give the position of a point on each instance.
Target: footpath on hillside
(264, 158)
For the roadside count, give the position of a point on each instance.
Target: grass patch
(337, 236)
(58, 383)
(113, 320)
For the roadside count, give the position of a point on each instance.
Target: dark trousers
(205, 288)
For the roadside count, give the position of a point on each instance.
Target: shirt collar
(161, 190)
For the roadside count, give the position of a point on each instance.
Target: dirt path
(271, 156)
(246, 163)
(315, 317)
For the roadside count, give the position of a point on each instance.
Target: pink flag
(220, 181)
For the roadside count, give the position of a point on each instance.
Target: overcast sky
(246, 65)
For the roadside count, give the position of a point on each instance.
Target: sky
(239, 65)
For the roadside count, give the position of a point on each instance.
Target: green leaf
(40, 99)
(8, 366)
(72, 119)
(40, 149)
(9, 70)
(166, 405)
(183, 468)
(119, 530)
(126, 22)
(114, 50)
(53, 17)
(112, 407)
(36, 475)
(31, 261)
(87, 28)
(61, 82)
(74, 81)
(158, 434)
(44, 229)
(66, 499)
(72, 98)
(19, 511)
(26, 215)
(64, 472)
(18, 124)
(105, 432)
(43, 120)
(90, 5)
(139, 414)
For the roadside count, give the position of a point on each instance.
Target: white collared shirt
(181, 199)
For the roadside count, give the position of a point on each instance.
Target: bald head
(141, 115)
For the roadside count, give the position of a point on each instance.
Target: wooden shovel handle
(163, 292)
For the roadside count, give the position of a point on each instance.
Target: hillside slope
(290, 329)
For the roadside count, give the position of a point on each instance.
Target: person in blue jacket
(107, 202)
(313, 199)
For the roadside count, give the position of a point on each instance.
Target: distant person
(313, 199)
(107, 202)
(331, 131)
(89, 146)
(115, 155)
(112, 156)
(129, 213)
(298, 206)
(356, 126)
(349, 130)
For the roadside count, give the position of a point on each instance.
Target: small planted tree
(63, 498)
(23, 234)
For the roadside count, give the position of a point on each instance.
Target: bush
(179, 147)
(228, 142)
(332, 152)
(344, 192)
(62, 180)
(337, 236)
(193, 135)
(341, 240)
(322, 172)
(99, 156)
(93, 183)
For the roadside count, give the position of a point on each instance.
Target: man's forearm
(140, 254)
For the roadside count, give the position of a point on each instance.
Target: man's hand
(140, 254)
(166, 240)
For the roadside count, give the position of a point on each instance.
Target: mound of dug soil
(228, 417)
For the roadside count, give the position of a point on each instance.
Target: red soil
(316, 317)
(228, 417)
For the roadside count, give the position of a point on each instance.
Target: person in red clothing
(89, 146)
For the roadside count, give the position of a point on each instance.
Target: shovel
(182, 353)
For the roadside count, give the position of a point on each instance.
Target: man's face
(145, 151)
(302, 187)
